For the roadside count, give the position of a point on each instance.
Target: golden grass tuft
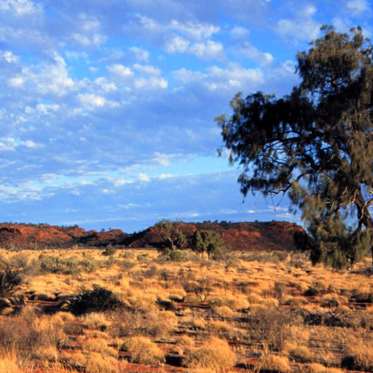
(275, 363)
(215, 354)
(143, 351)
(9, 364)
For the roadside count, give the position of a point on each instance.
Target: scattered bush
(151, 322)
(97, 300)
(66, 266)
(29, 334)
(9, 280)
(98, 363)
(215, 354)
(271, 326)
(275, 363)
(175, 255)
(358, 356)
(143, 351)
(109, 251)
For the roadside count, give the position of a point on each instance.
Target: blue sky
(107, 107)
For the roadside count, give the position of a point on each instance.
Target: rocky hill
(237, 236)
(20, 236)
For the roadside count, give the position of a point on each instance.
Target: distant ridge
(245, 236)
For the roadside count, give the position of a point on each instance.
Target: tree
(171, 235)
(209, 242)
(315, 144)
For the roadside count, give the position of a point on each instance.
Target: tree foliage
(209, 242)
(172, 236)
(316, 144)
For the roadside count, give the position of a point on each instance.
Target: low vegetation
(180, 311)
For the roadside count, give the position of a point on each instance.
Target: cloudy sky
(107, 107)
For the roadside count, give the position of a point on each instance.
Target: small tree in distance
(171, 235)
(316, 144)
(209, 242)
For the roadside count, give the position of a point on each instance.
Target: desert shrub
(319, 368)
(176, 255)
(9, 280)
(100, 345)
(358, 356)
(151, 322)
(215, 354)
(109, 251)
(201, 288)
(361, 297)
(300, 354)
(67, 266)
(270, 325)
(264, 256)
(142, 350)
(28, 334)
(275, 363)
(96, 300)
(96, 320)
(98, 363)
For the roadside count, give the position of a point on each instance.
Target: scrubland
(136, 310)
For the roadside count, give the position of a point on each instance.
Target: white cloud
(139, 76)
(255, 54)
(177, 44)
(162, 159)
(88, 33)
(231, 78)
(12, 143)
(16, 81)
(117, 182)
(208, 49)
(120, 70)
(147, 69)
(9, 57)
(205, 49)
(105, 84)
(140, 54)
(93, 101)
(239, 32)
(43, 109)
(183, 37)
(165, 176)
(192, 30)
(357, 6)
(303, 27)
(19, 7)
(95, 39)
(151, 83)
(51, 78)
(143, 177)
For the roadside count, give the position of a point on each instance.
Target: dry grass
(143, 351)
(309, 318)
(215, 354)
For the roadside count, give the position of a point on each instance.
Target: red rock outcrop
(43, 236)
(237, 236)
